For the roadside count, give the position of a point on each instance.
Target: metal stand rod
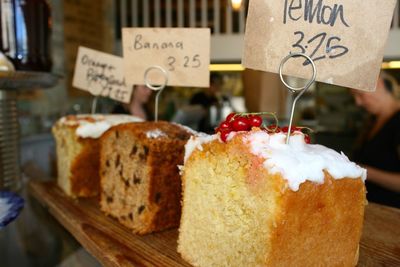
(156, 104)
(295, 89)
(94, 104)
(292, 114)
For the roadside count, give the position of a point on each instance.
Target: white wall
(392, 50)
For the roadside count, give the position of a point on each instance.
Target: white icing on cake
(196, 142)
(298, 162)
(157, 133)
(92, 130)
(101, 123)
(230, 136)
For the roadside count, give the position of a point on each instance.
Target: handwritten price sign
(184, 53)
(345, 38)
(101, 74)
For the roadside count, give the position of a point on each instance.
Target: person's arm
(388, 180)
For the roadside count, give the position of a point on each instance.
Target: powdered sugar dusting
(154, 134)
(298, 162)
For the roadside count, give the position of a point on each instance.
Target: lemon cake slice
(250, 199)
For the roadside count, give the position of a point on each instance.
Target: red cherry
(307, 139)
(292, 129)
(224, 125)
(230, 117)
(274, 128)
(224, 135)
(255, 121)
(241, 124)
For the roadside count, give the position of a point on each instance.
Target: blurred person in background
(209, 96)
(378, 147)
(209, 99)
(137, 106)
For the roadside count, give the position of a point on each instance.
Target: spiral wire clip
(158, 88)
(292, 89)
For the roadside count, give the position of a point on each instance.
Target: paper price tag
(101, 74)
(184, 53)
(345, 38)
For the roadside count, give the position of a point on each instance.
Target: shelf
(103, 237)
(27, 80)
(114, 245)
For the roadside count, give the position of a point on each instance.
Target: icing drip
(196, 142)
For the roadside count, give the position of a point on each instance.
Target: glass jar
(25, 33)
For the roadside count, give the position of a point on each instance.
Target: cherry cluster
(237, 122)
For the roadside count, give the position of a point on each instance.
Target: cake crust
(320, 224)
(85, 180)
(77, 161)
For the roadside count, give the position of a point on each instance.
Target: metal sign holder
(292, 89)
(94, 104)
(158, 88)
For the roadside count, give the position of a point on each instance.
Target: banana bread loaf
(140, 181)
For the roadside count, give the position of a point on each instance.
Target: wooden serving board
(115, 245)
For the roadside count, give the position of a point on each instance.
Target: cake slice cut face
(78, 151)
(255, 201)
(140, 181)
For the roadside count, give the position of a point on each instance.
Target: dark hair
(215, 78)
(388, 85)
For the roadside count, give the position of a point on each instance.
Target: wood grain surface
(114, 245)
